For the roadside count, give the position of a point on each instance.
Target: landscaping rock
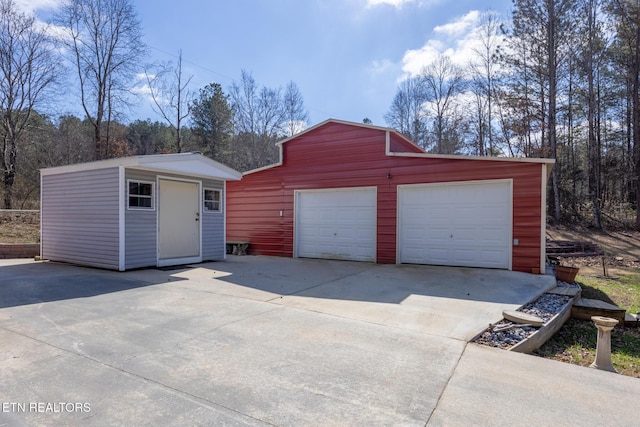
(505, 334)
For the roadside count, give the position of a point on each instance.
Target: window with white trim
(140, 195)
(212, 200)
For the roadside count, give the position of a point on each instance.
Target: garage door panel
(491, 236)
(492, 256)
(466, 224)
(466, 212)
(436, 211)
(465, 256)
(439, 256)
(435, 233)
(336, 224)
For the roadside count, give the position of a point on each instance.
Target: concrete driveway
(449, 302)
(270, 341)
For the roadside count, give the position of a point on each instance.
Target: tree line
(96, 49)
(557, 79)
(243, 139)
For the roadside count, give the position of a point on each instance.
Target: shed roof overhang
(191, 164)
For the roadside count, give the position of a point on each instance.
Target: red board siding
(260, 207)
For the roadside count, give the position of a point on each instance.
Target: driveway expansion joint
(314, 286)
(446, 385)
(361, 345)
(191, 397)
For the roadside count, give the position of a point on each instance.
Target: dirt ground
(621, 248)
(19, 227)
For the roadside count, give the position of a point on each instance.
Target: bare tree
(270, 112)
(262, 116)
(627, 17)
(545, 27)
(479, 119)
(485, 70)
(171, 96)
(104, 37)
(257, 119)
(29, 69)
(443, 80)
(295, 115)
(591, 54)
(407, 113)
(242, 98)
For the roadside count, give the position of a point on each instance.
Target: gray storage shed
(132, 212)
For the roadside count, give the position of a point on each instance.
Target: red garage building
(365, 193)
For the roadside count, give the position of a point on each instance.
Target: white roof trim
(388, 152)
(465, 157)
(344, 122)
(278, 163)
(191, 164)
(316, 126)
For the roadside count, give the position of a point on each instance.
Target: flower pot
(566, 274)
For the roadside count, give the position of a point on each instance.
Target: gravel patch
(505, 334)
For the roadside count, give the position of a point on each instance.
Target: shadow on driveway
(23, 283)
(446, 301)
(391, 284)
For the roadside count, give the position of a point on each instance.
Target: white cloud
(414, 60)
(142, 87)
(30, 6)
(398, 4)
(293, 127)
(380, 67)
(459, 39)
(143, 90)
(55, 31)
(143, 76)
(394, 3)
(460, 26)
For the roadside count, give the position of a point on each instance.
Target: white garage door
(336, 224)
(466, 224)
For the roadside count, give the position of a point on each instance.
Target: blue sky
(346, 56)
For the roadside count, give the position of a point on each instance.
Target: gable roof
(416, 150)
(192, 164)
(347, 123)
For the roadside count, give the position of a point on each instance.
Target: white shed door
(336, 224)
(466, 224)
(178, 222)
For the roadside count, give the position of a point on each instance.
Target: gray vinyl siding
(80, 217)
(80, 220)
(140, 226)
(213, 238)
